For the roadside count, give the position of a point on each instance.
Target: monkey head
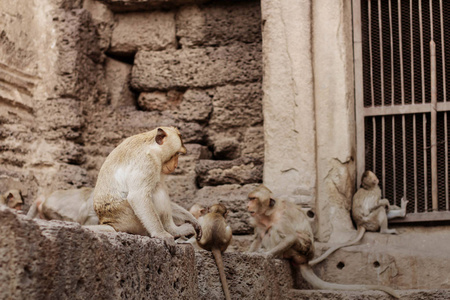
(13, 199)
(369, 180)
(197, 210)
(219, 209)
(171, 145)
(260, 201)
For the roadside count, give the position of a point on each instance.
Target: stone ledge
(369, 295)
(62, 260)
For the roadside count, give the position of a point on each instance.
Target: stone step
(368, 295)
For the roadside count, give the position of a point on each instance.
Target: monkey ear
(160, 135)
(10, 196)
(272, 202)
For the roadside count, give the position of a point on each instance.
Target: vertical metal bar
(374, 124)
(359, 92)
(444, 86)
(372, 93)
(383, 154)
(412, 53)
(422, 68)
(446, 162)
(415, 161)
(433, 134)
(425, 167)
(393, 159)
(391, 42)
(380, 24)
(404, 154)
(400, 46)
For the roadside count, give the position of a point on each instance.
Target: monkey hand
(198, 231)
(168, 240)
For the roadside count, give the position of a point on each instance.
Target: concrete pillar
(288, 102)
(335, 123)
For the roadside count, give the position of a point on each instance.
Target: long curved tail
(218, 257)
(359, 235)
(309, 275)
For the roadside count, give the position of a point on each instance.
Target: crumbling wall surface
(197, 67)
(61, 260)
(50, 64)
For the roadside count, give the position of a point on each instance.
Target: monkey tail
(359, 235)
(309, 275)
(218, 257)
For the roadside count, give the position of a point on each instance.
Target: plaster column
(335, 123)
(288, 102)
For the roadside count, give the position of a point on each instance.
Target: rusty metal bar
(444, 81)
(374, 124)
(415, 161)
(380, 24)
(422, 68)
(391, 42)
(404, 155)
(383, 154)
(446, 162)
(413, 100)
(372, 93)
(433, 134)
(425, 167)
(393, 160)
(400, 46)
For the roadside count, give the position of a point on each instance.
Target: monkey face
(369, 180)
(170, 166)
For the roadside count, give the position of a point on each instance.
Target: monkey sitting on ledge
(130, 194)
(370, 213)
(282, 230)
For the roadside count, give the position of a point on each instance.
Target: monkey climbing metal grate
(402, 58)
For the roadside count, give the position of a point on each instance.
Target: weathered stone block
(143, 30)
(196, 105)
(139, 5)
(219, 24)
(196, 67)
(234, 197)
(241, 171)
(237, 106)
(253, 143)
(118, 83)
(159, 101)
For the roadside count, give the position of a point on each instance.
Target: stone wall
(88, 74)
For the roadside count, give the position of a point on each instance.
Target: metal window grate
(402, 58)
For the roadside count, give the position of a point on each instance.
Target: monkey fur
(369, 213)
(216, 238)
(13, 199)
(283, 231)
(130, 194)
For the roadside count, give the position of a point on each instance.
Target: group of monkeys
(130, 196)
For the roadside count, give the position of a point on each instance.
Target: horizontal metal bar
(423, 217)
(404, 109)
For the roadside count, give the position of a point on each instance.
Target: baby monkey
(216, 237)
(370, 212)
(282, 230)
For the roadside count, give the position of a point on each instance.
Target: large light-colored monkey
(12, 199)
(370, 212)
(282, 230)
(73, 205)
(130, 194)
(216, 238)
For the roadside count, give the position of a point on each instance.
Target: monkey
(130, 194)
(283, 231)
(73, 205)
(369, 213)
(13, 199)
(197, 210)
(216, 238)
